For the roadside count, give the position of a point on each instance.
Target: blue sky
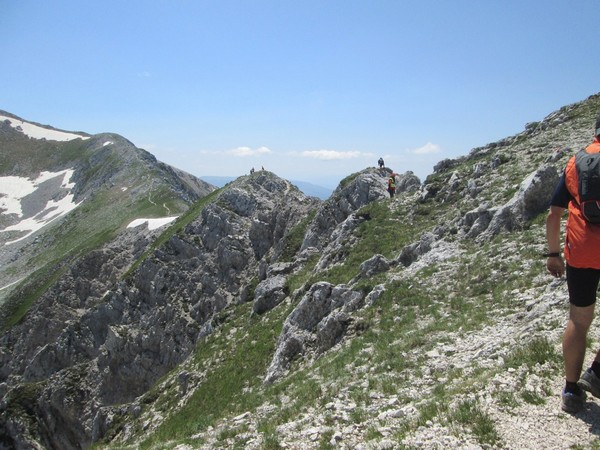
(311, 90)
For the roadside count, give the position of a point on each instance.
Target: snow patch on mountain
(38, 132)
(13, 191)
(153, 224)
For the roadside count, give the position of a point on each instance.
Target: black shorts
(582, 284)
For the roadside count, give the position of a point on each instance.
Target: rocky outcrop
(96, 339)
(412, 252)
(359, 190)
(407, 182)
(485, 222)
(316, 324)
(269, 293)
(324, 314)
(532, 198)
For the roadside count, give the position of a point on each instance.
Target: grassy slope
(413, 317)
(94, 223)
(232, 362)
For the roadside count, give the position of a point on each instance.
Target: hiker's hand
(556, 266)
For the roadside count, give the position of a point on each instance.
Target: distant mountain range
(309, 189)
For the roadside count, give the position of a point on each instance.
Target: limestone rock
(97, 340)
(363, 188)
(269, 293)
(316, 324)
(531, 199)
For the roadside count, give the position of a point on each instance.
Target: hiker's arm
(555, 265)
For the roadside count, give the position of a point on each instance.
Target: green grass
(533, 398)
(86, 228)
(397, 326)
(470, 415)
(411, 318)
(22, 400)
(270, 435)
(349, 179)
(235, 367)
(35, 155)
(507, 399)
(184, 220)
(537, 351)
(305, 276)
(293, 240)
(15, 308)
(594, 445)
(386, 233)
(239, 370)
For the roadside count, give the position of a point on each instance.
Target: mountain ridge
(263, 318)
(309, 189)
(103, 171)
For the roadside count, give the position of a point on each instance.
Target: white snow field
(37, 132)
(153, 224)
(14, 189)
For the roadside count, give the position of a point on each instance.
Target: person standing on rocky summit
(582, 255)
(392, 184)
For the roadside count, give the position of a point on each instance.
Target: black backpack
(588, 176)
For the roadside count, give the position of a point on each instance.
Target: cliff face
(99, 338)
(422, 300)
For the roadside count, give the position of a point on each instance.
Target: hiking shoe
(572, 403)
(590, 382)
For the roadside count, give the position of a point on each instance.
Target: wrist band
(552, 255)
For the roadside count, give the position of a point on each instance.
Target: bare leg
(574, 340)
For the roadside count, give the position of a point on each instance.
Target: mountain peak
(64, 193)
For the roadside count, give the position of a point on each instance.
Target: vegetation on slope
(438, 311)
(481, 287)
(118, 184)
(389, 347)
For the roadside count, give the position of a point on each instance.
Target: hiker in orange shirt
(582, 255)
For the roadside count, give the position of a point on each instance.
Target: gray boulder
(408, 182)
(412, 252)
(361, 189)
(532, 198)
(269, 293)
(373, 266)
(318, 322)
